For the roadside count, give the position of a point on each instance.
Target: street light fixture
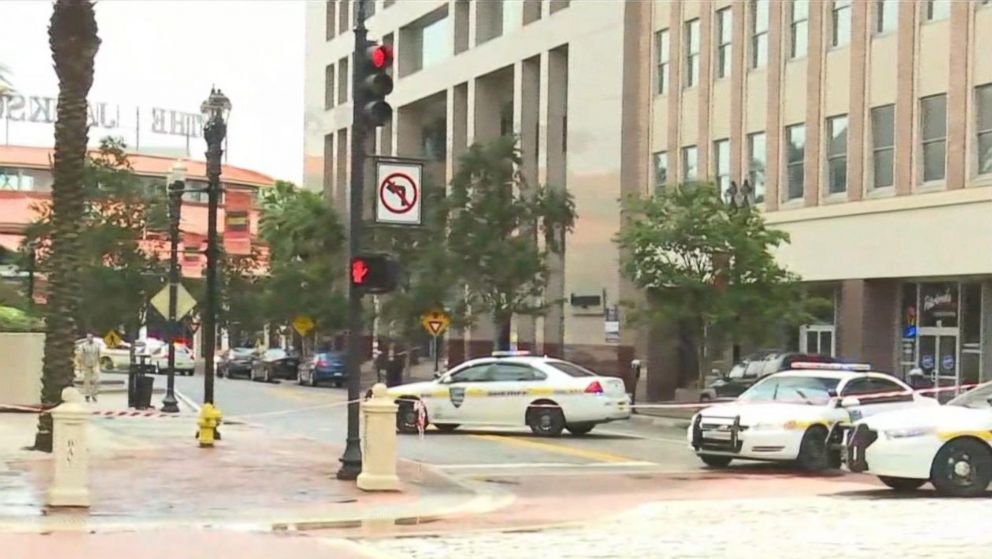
(216, 110)
(738, 198)
(176, 185)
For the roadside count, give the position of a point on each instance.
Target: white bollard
(70, 484)
(379, 461)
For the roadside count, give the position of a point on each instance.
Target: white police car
(514, 389)
(797, 415)
(949, 446)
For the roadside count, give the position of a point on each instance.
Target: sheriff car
(797, 415)
(513, 389)
(950, 446)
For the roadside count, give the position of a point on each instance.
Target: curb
(661, 421)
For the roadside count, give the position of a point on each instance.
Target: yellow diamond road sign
(435, 322)
(303, 324)
(184, 302)
(112, 339)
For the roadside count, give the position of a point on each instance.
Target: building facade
(549, 71)
(866, 128)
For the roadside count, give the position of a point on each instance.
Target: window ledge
(881, 192)
(793, 204)
(835, 198)
(978, 181)
(932, 186)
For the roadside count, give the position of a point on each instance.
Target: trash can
(143, 392)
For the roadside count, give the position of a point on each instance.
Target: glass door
(938, 358)
(817, 338)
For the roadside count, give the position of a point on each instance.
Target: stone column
(70, 483)
(379, 460)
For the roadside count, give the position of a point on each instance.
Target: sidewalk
(148, 473)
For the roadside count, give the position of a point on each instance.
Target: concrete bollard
(379, 461)
(70, 484)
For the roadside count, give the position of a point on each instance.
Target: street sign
(184, 302)
(303, 324)
(435, 322)
(399, 198)
(112, 339)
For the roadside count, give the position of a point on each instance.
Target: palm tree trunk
(74, 42)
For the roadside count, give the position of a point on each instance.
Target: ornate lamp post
(216, 110)
(176, 185)
(738, 198)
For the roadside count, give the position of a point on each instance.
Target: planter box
(20, 368)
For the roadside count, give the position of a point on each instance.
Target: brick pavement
(860, 524)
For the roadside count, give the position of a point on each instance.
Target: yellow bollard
(209, 421)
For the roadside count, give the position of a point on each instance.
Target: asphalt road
(321, 413)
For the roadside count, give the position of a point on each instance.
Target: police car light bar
(511, 353)
(833, 366)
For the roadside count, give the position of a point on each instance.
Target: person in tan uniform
(88, 360)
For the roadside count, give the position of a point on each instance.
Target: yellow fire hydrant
(209, 421)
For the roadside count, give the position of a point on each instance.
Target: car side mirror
(850, 402)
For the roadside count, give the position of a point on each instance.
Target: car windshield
(792, 389)
(977, 398)
(242, 352)
(275, 354)
(571, 369)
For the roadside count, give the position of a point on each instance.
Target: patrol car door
(461, 396)
(508, 393)
(875, 395)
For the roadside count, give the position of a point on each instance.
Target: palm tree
(72, 36)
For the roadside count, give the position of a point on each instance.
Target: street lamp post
(176, 186)
(739, 198)
(216, 110)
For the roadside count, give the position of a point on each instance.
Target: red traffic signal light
(375, 84)
(381, 56)
(374, 273)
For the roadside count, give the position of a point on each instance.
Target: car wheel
(406, 416)
(338, 384)
(704, 397)
(813, 453)
(107, 363)
(962, 468)
(579, 429)
(902, 483)
(446, 427)
(546, 421)
(715, 461)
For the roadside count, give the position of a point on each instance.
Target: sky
(166, 54)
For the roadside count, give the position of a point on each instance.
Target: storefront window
(971, 332)
(939, 302)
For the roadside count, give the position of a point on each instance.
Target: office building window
(795, 157)
(883, 146)
(841, 23)
(983, 126)
(724, 37)
(837, 154)
(661, 54)
(759, 32)
(721, 165)
(691, 53)
(937, 9)
(660, 169)
(513, 15)
(330, 19)
(690, 164)
(344, 76)
(329, 90)
(886, 16)
(757, 154)
(933, 127)
(799, 28)
(435, 42)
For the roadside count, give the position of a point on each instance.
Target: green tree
(74, 41)
(305, 241)
(709, 268)
(495, 219)
(117, 270)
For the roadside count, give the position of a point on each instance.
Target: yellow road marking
(560, 449)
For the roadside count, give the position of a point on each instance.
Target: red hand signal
(358, 272)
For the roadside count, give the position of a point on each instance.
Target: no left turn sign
(398, 192)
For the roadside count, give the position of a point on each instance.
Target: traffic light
(375, 84)
(374, 273)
